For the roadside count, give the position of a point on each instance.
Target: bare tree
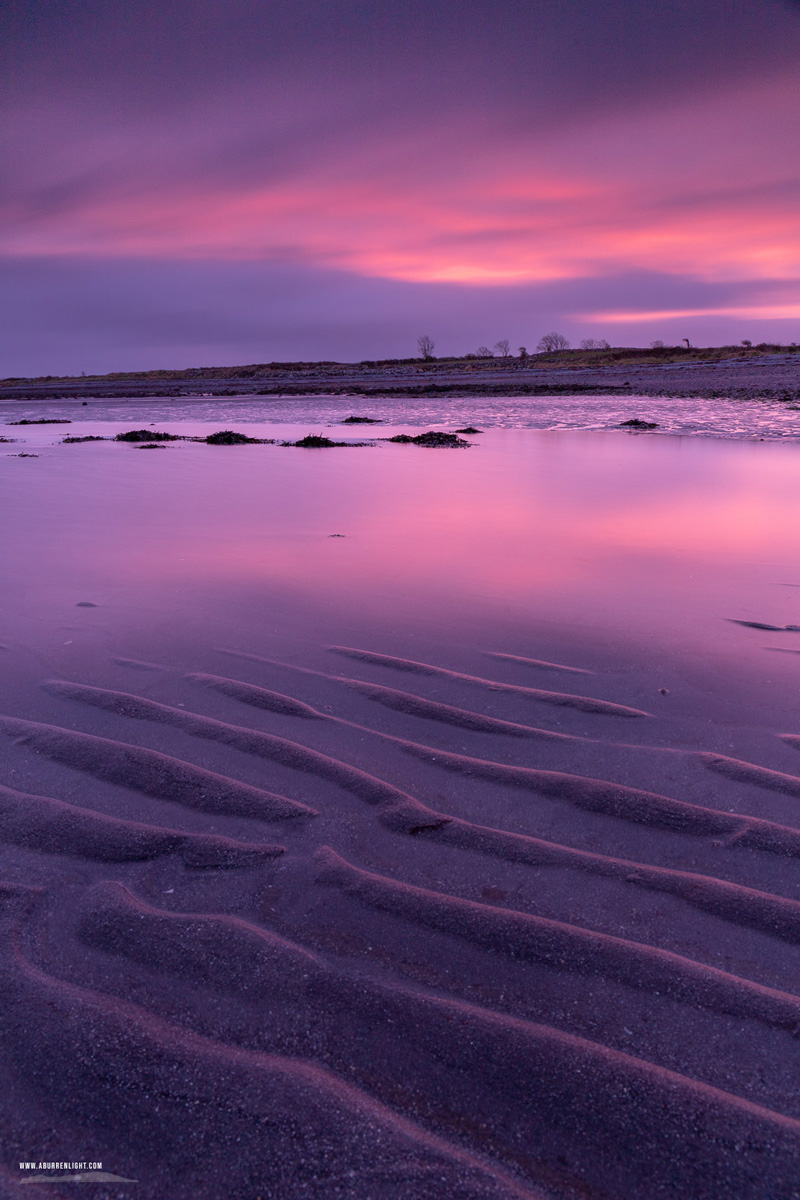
(522, 352)
(595, 344)
(484, 352)
(551, 342)
(504, 347)
(658, 344)
(426, 345)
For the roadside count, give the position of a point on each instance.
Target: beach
(405, 822)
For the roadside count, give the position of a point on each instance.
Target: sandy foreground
(314, 898)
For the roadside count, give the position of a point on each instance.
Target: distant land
(743, 372)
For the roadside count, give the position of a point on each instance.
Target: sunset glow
(436, 172)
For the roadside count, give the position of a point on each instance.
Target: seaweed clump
(314, 441)
(227, 437)
(42, 421)
(361, 421)
(635, 423)
(431, 438)
(151, 446)
(469, 429)
(146, 435)
(91, 437)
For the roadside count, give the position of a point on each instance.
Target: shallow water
(719, 418)
(124, 572)
(654, 540)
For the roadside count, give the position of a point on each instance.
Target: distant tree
(426, 345)
(484, 352)
(657, 344)
(504, 347)
(594, 344)
(688, 343)
(551, 342)
(522, 352)
(746, 342)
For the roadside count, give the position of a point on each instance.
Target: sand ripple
(588, 993)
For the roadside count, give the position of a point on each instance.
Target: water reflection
(650, 535)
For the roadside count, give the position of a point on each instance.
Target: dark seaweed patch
(146, 435)
(432, 438)
(227, 437)
(314, 441)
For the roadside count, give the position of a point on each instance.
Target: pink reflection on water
(604, 529)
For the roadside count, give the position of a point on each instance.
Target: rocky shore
(745, 375)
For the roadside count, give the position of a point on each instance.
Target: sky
(212, 182)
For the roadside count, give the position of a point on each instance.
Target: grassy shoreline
(766, 372)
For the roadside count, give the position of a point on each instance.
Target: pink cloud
(660, 190)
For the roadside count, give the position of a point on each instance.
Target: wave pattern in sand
(457, 976)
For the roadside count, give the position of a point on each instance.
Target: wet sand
(456, 856)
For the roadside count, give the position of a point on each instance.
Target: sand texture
(372, 927)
